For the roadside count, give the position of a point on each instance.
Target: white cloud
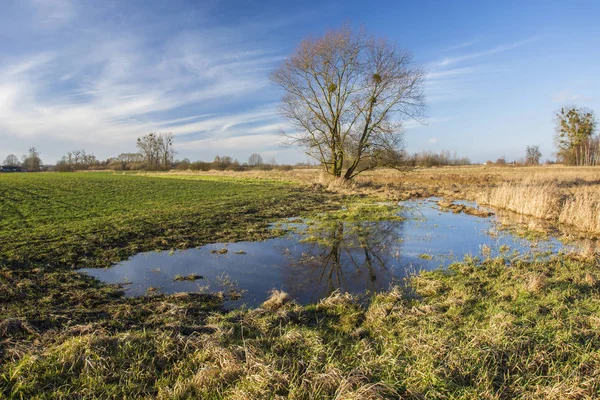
(567, 96)
(124, 88)
(262, 141)
(432, 140)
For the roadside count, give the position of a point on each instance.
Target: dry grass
(566, 195)
(277, 300)
(541, 200)
(573, 204)
(582, 209)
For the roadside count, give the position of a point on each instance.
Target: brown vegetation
(569, 196)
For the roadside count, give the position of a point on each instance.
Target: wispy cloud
(498, 49)
(567, 96)
(455, 78)
(412, 124)
(127, 87)
(462, 45)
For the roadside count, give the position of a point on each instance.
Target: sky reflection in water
(355, 257)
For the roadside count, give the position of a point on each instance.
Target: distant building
(10, 168)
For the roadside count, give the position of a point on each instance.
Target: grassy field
(490, 329)
(93, 219)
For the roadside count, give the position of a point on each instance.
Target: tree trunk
(349, 172)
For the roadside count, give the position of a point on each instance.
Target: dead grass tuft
(337, 298)
(590, 279)
(536, 283)
(357, 386)
(277, 300)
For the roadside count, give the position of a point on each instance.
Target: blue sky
(98, 74)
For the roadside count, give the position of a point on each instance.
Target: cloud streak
(455, 78)
(498, 49)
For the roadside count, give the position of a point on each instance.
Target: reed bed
(542, 201)
(582, 209)
(574, 203)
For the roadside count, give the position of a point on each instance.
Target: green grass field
(482, 329)
(93, 219)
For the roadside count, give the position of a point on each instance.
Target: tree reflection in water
(353, 257)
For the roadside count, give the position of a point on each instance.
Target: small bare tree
(575, 127)
(157, 149)
(255, 160)
(533, 155)
(12, 161)
(167, 153)
(346, 95)
(148, 146)
(125, 160)
(32, 161)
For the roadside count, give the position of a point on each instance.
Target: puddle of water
(354, 257)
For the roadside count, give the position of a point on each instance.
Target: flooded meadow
(312, 259)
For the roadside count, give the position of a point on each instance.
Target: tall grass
(578, 207)
(582, 210)
(541, 201)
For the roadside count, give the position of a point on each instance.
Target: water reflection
(353, 257)
(315, 259)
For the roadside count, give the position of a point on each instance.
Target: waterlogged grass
(362, 212)
(476, 331)
(483, 329)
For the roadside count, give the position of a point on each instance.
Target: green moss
(362, 212)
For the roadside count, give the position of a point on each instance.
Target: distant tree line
(226, 163)
(77, 160)
(156, 152)
(432, 159)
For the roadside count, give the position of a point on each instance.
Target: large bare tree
(346, 95)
